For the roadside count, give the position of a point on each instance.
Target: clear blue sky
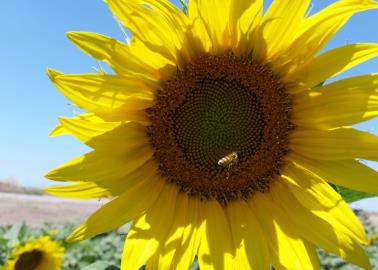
(32, 39)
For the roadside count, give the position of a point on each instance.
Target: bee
(228, 161)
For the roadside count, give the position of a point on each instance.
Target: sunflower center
(29, 260)
(220, 127)
(218, 117)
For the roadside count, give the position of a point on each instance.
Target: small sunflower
(216, 138)
(41, 253)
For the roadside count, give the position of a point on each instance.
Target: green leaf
(101, 265)
(350, 195)
(23, 232)
(3, 242)
(12, 234)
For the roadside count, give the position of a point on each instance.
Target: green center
(217, 118)
(29, 260)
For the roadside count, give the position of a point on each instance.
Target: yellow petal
(84, 127)
(198, 31)
(213, 253)
(342, 103)
(336, 144)
(86, 190)
(318, 196)
(150, 230)
(278, 27)
(178, 22)
(327, 205)
(330, 64)
(124, 59)
(163, 36)
(170, 12)
(107, 94)
(245, 17)
(106, 188)
(106, 135)
(95, 125)
(216, 17)
(167, 249)
(59, 130)
(320, 230)
(121, 210)
(319, 28)
(102, 165)
(288, 250)
(251, 246)
(87, 126)
(191, 236)
(347, 173)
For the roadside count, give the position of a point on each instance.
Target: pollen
(220, 127)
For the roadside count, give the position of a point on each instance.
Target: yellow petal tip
(72, 35)
(49, 190)
(55, 132)
(58, 130)
(52, 73)
(77, 234)
(71, 239)
(50, 175)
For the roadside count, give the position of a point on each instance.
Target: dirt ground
(35, 210)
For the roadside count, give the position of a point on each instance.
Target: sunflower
(41, 253)
(217, 138)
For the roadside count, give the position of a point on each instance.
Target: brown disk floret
(220, 126)
(29, 260)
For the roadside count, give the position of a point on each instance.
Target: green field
(103, 252)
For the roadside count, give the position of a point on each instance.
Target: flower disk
(41, 253)
(29, 260)
(216, 106)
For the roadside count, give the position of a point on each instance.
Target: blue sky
(33, 39)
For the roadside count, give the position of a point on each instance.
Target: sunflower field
(100, 252)
(104, 251)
